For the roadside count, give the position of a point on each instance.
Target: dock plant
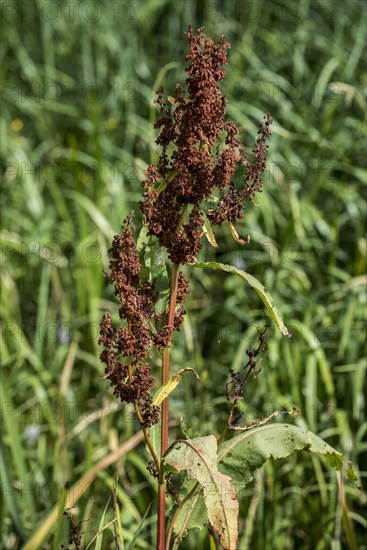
(187, 194)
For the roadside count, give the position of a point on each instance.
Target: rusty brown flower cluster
(130, 379)
(194, 163)
(232, 200)
(127, 349)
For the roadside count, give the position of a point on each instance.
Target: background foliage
(78, 83)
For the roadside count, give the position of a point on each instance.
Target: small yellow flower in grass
(16, 125)
(111, 123)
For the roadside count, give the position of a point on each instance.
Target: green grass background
(78, 80)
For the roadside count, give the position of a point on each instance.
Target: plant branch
(240, 384)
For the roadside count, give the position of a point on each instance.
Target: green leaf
(154, 266)
(169, 386)
(166, 389)
(199, 458)
(252, 281)
(242, 455)
(155, 438)
(192, 515)
(143, 239)
(208, 230)
(154, 257)
(188, 432)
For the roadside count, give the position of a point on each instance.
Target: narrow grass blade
(138, 531)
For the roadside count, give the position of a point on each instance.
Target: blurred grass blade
(135, 538)
(79, 489)
(324, 79)
(9, 500)
(42, 314)
(94, 213)
(13, 440)
(99, 536)
(60, 527)
(118, 520)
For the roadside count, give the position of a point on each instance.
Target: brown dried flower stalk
(131, 380)
(194, 163)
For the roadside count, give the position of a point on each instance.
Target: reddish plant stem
(161, 527)
(166, 357)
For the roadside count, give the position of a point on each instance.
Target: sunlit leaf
(242, 455)
(252, 281)
(170, 385)
(208, 230)
(199, 458)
